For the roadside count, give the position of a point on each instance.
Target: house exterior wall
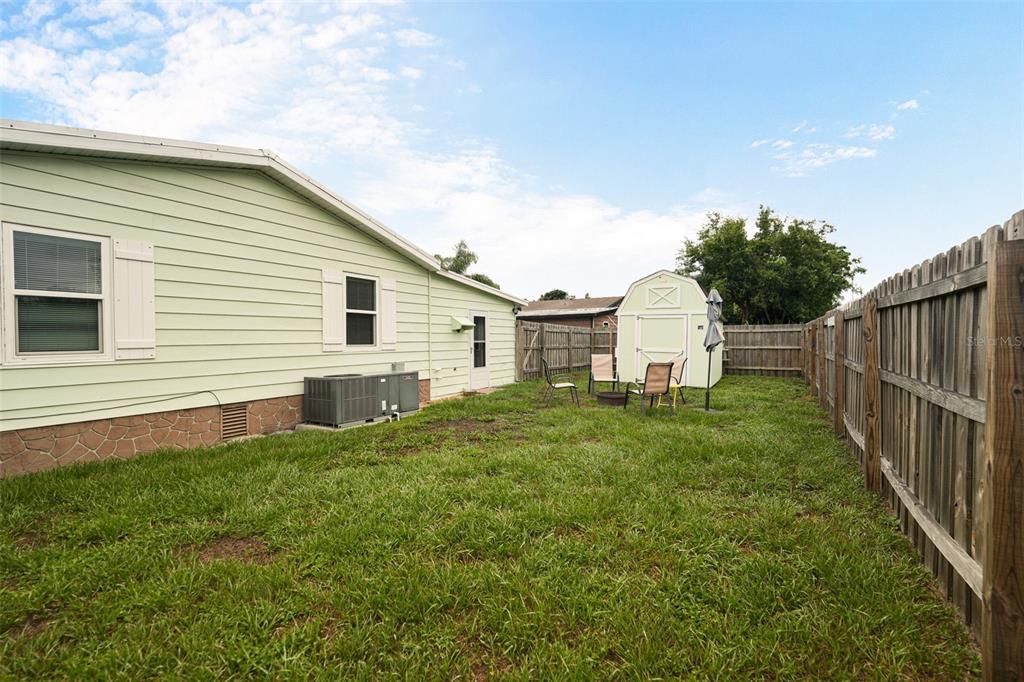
(644, 299)
(450, 351)
(238, 280)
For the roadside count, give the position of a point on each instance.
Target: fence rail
(764, 349)
(566, 348)
(923, 376)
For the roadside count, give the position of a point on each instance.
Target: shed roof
(39, 137)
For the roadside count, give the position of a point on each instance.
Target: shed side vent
(234, 421)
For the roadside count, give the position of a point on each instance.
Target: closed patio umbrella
(712, 337)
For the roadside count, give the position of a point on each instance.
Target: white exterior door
(659, 338)
(479, 373)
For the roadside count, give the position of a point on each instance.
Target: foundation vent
(234, 421)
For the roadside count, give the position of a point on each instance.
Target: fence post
(813, 355)
(872, 398)
(822, 367)
(1002, 627)
(543, 337)
(520, 350)
(839, 385)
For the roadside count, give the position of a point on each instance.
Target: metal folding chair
(555, 385)
(656, 384)
(602, 369)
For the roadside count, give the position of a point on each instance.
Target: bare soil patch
(32, 625)
(30, 540)
(246, 550)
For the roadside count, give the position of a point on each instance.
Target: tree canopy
(555, 295)
(787, 271)
(484, 279)
(461, 261)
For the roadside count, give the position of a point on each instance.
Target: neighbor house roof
(38, 137)
(572, 307)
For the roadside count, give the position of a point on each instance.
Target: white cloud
(759, 143)
(340, 29)
(33, 12)
(910, 104)
(314, 83)
(782, 144)
(410, 72)
(411, 37)
(873, 131)
(815, 156)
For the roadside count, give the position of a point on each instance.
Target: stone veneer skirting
(46, 447)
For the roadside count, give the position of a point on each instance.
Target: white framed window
(361, 308)
(57, 298)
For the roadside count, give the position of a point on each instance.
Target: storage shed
(662, 315)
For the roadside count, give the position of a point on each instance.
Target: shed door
(659, 338)
(479, 373)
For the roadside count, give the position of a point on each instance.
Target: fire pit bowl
(611, 398)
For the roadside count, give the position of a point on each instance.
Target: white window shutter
(333, 303)
(134, 301)
(388, 313)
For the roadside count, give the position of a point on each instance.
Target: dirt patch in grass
(32, 625)
(484, 664)
(30, 540)
(246, 550)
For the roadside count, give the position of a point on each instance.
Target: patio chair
(602, 370)
(656, 384)
(555, 385)
(676, 380)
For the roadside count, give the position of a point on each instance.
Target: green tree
(484, 279)
(554, 295)
(787, 271)
(461, 261)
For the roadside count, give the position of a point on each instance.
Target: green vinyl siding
(238, 272)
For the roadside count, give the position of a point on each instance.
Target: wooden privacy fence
(765, 349)
(566, 348)
(924, 377)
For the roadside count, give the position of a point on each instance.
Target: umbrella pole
(707, 392)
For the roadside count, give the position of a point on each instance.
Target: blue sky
(572, 145)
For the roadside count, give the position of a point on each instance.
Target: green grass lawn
(485, 536)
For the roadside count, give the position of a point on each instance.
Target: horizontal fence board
(962, 562)
(969, 278)
(965, 406)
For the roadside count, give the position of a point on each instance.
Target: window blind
(57, 324)
(43, 262)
